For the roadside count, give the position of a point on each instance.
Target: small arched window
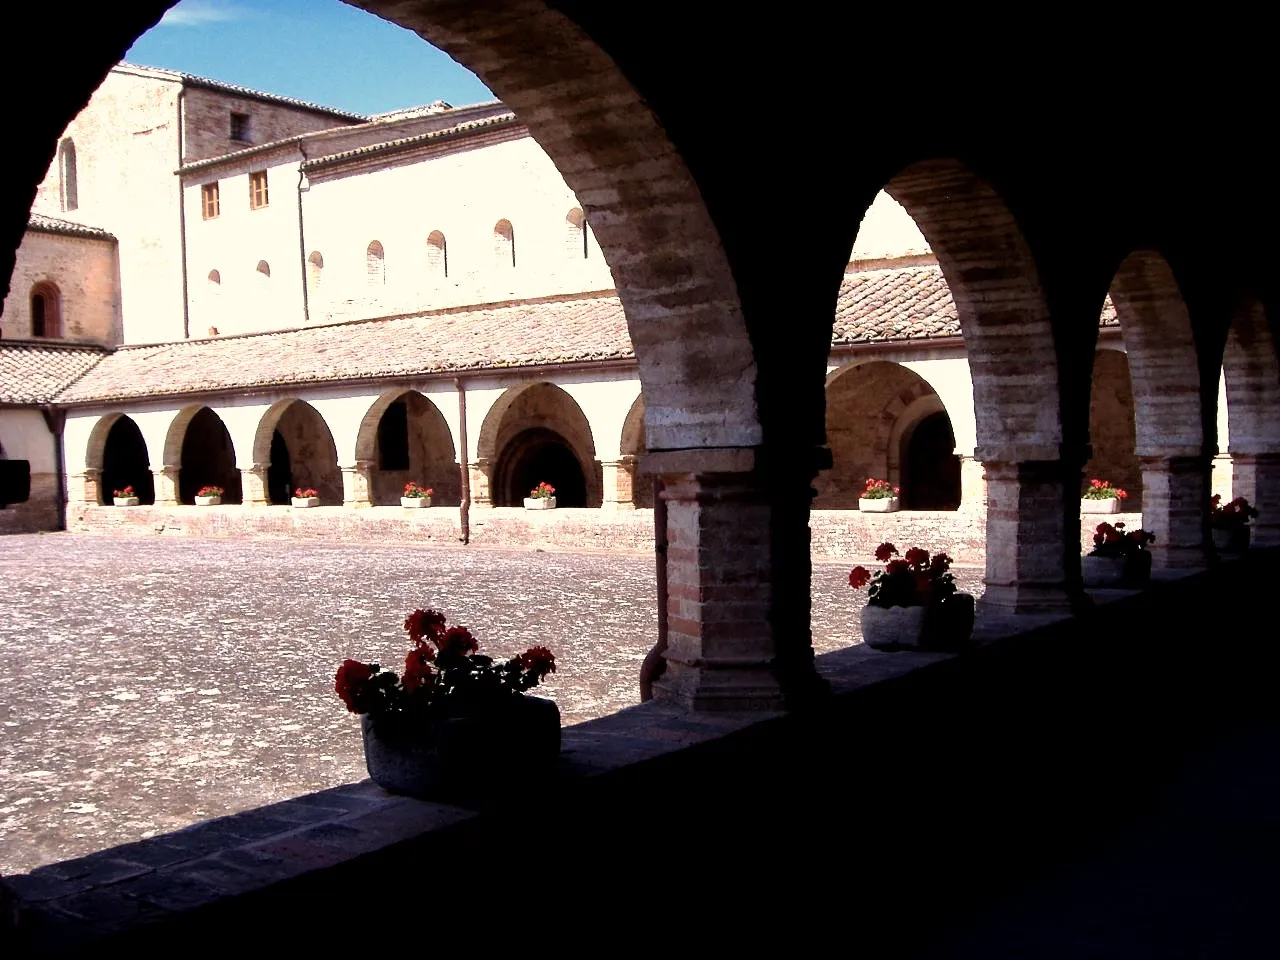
(46, 311)
(437, 255)
(575, 236)
(264, 270)
(215, 281)
(375, 264)
(68, 186)
(315, 267)
(504, 244)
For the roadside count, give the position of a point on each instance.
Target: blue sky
(318, 50)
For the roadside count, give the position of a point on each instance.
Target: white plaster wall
(25, 436)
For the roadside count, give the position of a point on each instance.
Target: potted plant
(1119, 557)
(879, 496)
(1229, 523)
(541, 497)
(306, 497)
(1101, 497)
(415, 496)
(125, 498)
(455, 722)
(913, 604)
(209, 496)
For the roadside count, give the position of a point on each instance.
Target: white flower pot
(303, 502)
(945, 625)
(539, 503)
(1132, 571)
(208, 501)
(125, 501)
(878, 504)
(1109, 505)
(415, 503)
(1230, 539)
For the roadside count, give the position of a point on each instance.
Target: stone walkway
(149, 684)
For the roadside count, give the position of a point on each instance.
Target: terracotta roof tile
(911, 303)
(35, 372)
(45, 224)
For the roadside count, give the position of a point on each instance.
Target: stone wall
(207, 122)
(85, 273)
(313, 459)
(1111, 426)
(431, 459)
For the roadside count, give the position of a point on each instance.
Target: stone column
(254, 485)
(973, 485)
(738, 582)
(83, 488)
(617, 476)
(166, 483)
(1175, 507)
(357, 484)
(480, 495)
(1033, 538)
(1256, 477)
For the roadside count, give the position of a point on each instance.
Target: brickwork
(313, 458)
(207, 122)
(539, 407)
(83, 271)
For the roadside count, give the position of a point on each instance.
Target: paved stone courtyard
(149, 684)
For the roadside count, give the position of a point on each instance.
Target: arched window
(68, 187)
(315, 266)
(264, 270)
(46, 311)
(437, 255)
(575, 236)
(215, 281)
(375, 264)
(504, 244)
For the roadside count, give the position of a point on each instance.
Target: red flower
(859, 577)
(896, 566)
(885, 551)
(417, 669)
(425, 624)
(940, 563)
(538, 660)
(457, 642)
(917, 558)
(351, 683)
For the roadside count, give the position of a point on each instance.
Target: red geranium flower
(859, 577)
(423, 624)
(418, 671)
(351, 682)
(885, 551)
(538, 660)
(917, 558)
(457, 642)
(896, 566)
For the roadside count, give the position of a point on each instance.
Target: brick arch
(633, 445)
(313, 455)
(205, 454)
(544, 407)
(999, 301)
(1252, 373)
(1111, 426)
(118, 449)
(432, 459)
(1163, 364)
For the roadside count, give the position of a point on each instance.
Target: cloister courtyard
(148, 684)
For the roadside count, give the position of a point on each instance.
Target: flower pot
(539, 503)
(1231, 539)
(415, 503)
(303, 502)
(878, 504)
(125, 501)
(208, 501)
(464, 756)
(1109, 505)
(1131, 571)
(945, 625)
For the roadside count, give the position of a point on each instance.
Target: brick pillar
(357, 484)
(617, 476)
(738, 582)
(166, 482)
(1256, 477)
(1033, 538)
(253, 483)
(1175, 507)
(83, 488)
(973, 485)
(480, 495)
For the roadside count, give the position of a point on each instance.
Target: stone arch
(1252, 374)
(118, 449)
(873, 411)
(504, 244)
(437, 255)
(46, 310)
(999, 301)
(405, 437)
(539, 426)
(200, 446)
(1163, 364)
(633, 447)
(576, 236)
(375, 264)
(295, 444)
(1112, 432)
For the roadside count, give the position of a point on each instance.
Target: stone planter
(1109, 505)
(208, 501)
(1131, 571)
(415, 503)
(945, 626)
(468, 756)
(303, 502)
(879, 504)
(539, 503)
(125, 501)
(1230, 539)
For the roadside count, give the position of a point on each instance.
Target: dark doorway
(930, 468)
(535, 456)
(280, 472)
(125, 463)
(208, 459)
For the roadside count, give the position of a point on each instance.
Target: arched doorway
(300, 452)
(930, 467)
(125, 462)
(405, 438)
(1112, 431)
(208, 458)
(538, 456)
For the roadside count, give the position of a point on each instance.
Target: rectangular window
(257, 190)
(240, 127)
(209, 200)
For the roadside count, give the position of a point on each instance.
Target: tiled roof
(45, 224)
(235, 88)
(36, 372)
(911, 303)
(388, 146)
